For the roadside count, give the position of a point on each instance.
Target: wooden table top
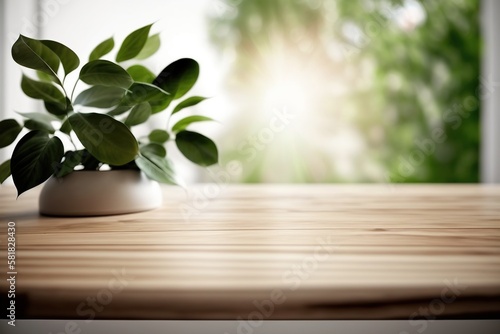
(267, 252)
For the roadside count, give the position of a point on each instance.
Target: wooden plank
(335, 251)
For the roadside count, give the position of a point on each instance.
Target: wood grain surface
(264, 252)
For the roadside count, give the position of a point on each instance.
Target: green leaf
(197, 148)
(183, 123)
(89, 162)
(69, 59)
(128, 166)
(32, 53)
(154, 149)
(34, 159)
(139, 114)
(143, 92)
(43, 91)
(71, 160)
(189, 102)
(141, 74)
(9, 130)
(100, 96)
(4, 171)
(59, 109)
(158, 169)
(41, 117)
(178, 77)
(108, 140)
(37, 125)
(158, 136)
(45, 77)
(133, 44)
(105, 73)
(157, 106)
(121, 109)
(152, 45)
(65, 127)
(102, 49)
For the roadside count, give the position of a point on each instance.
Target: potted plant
(128, 97)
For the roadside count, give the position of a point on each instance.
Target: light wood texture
(327, 252)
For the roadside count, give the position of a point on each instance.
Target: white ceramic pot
(98, 193)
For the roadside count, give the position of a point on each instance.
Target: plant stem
(168, 121)
(73, 91)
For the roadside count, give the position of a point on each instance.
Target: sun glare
(289, 83)
(291, 91)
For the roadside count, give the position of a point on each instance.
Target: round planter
(98, 193)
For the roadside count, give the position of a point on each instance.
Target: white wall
(490, 125)
(16, 17)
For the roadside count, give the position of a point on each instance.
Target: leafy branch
(127, 97)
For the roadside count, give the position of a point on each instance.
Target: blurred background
(307, 90)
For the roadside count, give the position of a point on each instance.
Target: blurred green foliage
(411, 72)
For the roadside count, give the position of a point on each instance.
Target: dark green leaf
(197, 148)
(158, 136)
(89, 162)
(144, 92)
(105, 73)
(158, 169)
(69, 59)
(65, 127)
(102, 49)
(32, 124)
(178, 77)
(139, 114)
(58, 109)
(100, 96)
(141, 74)
(189, 102)
(71, 160)
(108, 140)
(157, 106)
(34, 159)
(133, 44)
(32, 53)
(9, 130)
(152, 45)
(43, 91)
(4, 171)
(121, 109)
(154, 149)
(183, 123)
(128, 166)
